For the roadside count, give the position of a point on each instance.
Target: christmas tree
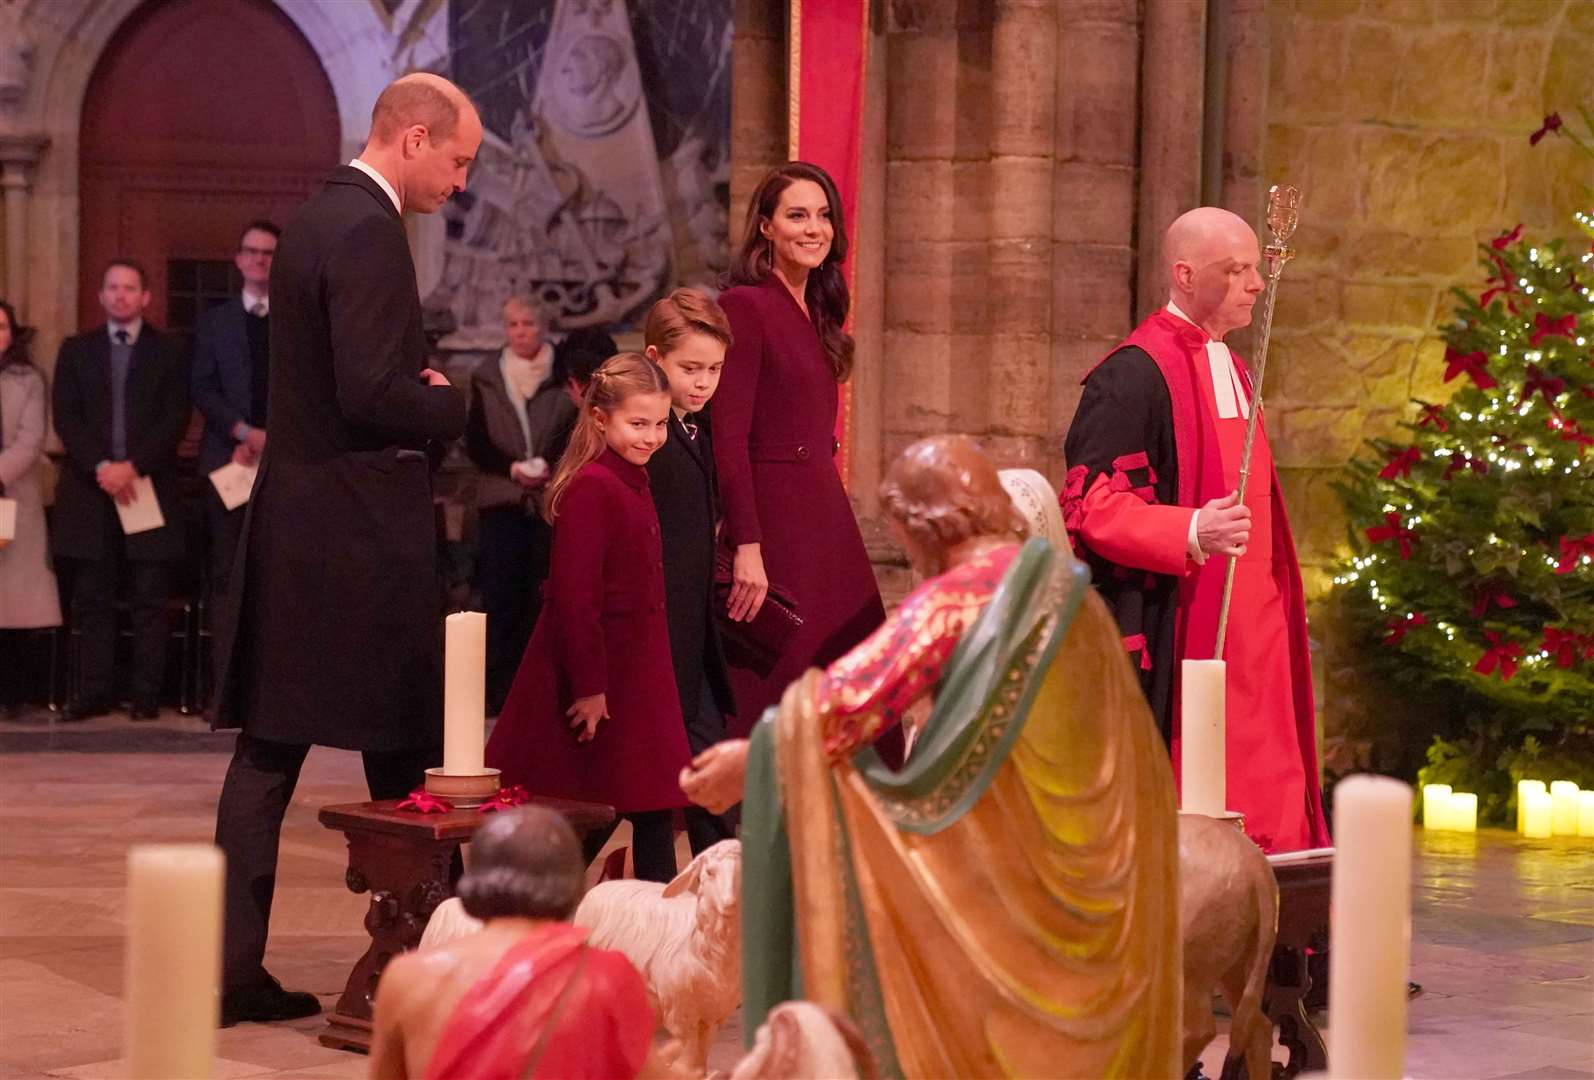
(1470, 582)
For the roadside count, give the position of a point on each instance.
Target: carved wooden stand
(1303, 923)
(402, 859)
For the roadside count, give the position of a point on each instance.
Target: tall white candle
(1435, 801)
(465, 693)
(1585, 813)
(1203, 758)
(1370, 929)
(1523, 787)
(1461, 811)
(173, 973)
(1536, 816)
(1563, 808)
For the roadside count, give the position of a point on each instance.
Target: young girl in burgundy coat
(593, 712)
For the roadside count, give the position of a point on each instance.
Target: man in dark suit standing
(121, 407)
(334, 635)
(228, 380)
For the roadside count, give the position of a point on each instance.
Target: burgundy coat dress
(602, 629)
(774, 443)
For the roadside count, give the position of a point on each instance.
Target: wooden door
(201, 116)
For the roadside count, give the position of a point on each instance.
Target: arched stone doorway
(198, 117)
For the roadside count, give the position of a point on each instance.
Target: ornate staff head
(1283, 214)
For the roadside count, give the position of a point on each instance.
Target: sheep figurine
(684, 938)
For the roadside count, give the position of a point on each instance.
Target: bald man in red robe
(1154, 461)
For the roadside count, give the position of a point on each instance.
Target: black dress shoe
(87, 709)
(144, 710)
(266, 1002)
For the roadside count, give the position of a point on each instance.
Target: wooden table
(403, 859)
(1303, 923)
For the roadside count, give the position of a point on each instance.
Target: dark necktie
(121, 337)
(121, 360)
(689, 427)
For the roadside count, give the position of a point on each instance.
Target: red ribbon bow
(1500, 655)
(1501, 284)
(1475, 364)
(424, 802)
(1574, 548)
(1544, 326)
(507, 799)
(1491, 594)
(1399, 627)
(1459, 461)
(1564, 644)
(1394, 529)
(1434, 415)
(1506, 239)
(1550, 386)
(1400, 463)
(1551, 123)
(1570, 432)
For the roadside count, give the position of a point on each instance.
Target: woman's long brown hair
(620, 377)
(827, 295)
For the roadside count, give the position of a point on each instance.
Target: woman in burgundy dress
(787, 517)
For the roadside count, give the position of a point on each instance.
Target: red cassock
(774, 445)
(602, 630)
(1121, 516)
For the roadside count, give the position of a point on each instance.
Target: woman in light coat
(28, 598)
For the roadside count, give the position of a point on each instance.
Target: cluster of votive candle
(1556, 809)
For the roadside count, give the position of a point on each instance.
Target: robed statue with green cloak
(1005, 903)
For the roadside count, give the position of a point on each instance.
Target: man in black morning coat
(333, 631)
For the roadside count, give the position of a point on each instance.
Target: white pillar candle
(1563, 808)
(1434, 800)
(465, 693)
(1536, 818)
(1523, 787)
(1203, 757)
(1370, 929)
(1461, 811)
(1585, 813)
(173, 972)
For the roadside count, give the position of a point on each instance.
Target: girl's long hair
(826, 292)
(620, 377)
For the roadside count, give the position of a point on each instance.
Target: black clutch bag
(758, 644)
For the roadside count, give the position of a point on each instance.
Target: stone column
(1093, 224)
(1024, 61)
(758, 101)
(1173, 70)
(869, 284)
(18, 155)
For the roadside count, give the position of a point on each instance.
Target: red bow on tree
(1571, 432)
(1506, 239)
(1491, 594)
(424, 802)
(507, 799)
(1551, 123)
(1475, 364)
(1400, 463)
(1399, 628)
(1564, 644)
(1574, 548)
(1394, 529)
(1434, 415)
(1537, 382)
(1458, 462)
(1500, 284)
(1501, 655)
(1544, 326)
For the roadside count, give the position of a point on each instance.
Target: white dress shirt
(1229, 394)
(132, 326)
(381, 182)
(252, 300)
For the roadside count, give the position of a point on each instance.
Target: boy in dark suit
(687, 335)
(121, 407)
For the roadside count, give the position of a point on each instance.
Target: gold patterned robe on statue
(1006, 903)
